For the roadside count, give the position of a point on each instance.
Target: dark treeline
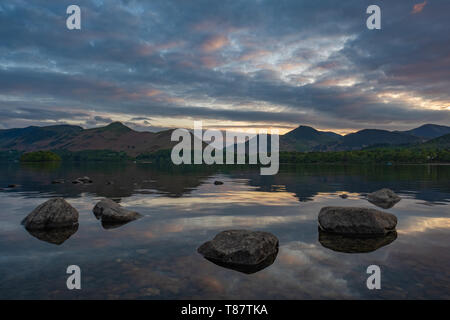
(382, 155)
(163, 157)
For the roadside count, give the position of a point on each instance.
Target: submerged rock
(218, 183)
(13, 186)
(111, 212)
(384, 198)
(83, 180)
(241, 250)
(55, 236)
(54, 213)
(355, 244)
(58, 181)
(353, 220)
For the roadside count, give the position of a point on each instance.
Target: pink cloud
(419, 7)
(214, 43)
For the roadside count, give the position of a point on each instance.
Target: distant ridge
(370, 137)
(429, 131)
(305, 138)
(440, 142)
(118, 137)
(115, 136)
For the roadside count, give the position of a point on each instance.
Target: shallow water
(155, 257)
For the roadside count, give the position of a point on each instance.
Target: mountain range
(118, 137)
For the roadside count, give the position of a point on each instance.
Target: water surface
(155, 257)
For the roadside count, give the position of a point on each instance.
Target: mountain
(440, 142)
(36, 138)
(429, 131)
(115, 136)
(305, 138)
(374, 137)
(118, 137)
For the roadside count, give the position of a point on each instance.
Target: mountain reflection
(430, 183)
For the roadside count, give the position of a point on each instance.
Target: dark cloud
(288, 63)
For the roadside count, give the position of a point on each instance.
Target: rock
(218, 183)
(343, 196)
(112, 212)
(241, 250)
(82, 180)
(13, 186)
(355, 244)
(384, 198)
(352, 220)
(85, 180)
(55, 236)
(109, 182)
(54, 213)
(58, 181)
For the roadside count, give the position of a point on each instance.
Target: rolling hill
(440, 142)
(305, 138)
(120, 138)
(115, 137)
(429, 131)
(373, 137)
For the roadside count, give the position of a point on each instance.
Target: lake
(156, 256)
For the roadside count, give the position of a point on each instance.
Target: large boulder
(54, 213)
(384, 198)
(111, 212)
(242, 250)
(357, 221)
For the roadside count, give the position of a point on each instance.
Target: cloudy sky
(232, 64)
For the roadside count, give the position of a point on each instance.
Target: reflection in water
(383, 205)
(245, 268)
(156, 257)
(352, 244)
(56, 236)
(113, 225)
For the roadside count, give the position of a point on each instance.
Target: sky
(233, 64)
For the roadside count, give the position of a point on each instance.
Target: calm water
(155, 257)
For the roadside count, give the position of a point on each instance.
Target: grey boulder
(357, 221)
(384, 198)
(109, 211)
(54, 213)
(241, 248)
